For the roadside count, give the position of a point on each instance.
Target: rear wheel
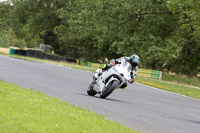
(111, 87)
(90, 90)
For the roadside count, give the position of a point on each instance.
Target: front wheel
(90, 90)
(111, 87)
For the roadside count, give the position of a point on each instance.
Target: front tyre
(111, 87)
(90, 90)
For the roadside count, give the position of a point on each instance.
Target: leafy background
(164, 33)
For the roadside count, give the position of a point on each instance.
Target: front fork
(99, 87)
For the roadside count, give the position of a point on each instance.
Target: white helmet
(134, 60)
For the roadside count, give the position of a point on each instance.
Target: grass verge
(182, 79)
(187, 90)
(23, 110)
(67, 64)
(177, 87)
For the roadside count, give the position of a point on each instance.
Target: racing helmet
(134, 59)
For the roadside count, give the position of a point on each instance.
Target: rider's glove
(131, 80)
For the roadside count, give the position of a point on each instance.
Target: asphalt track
(139, 107)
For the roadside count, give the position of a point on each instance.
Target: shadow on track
(107, 99)
(194, 121)
(25, 60)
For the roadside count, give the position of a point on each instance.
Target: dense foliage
(164, 33)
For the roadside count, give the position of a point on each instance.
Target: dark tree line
(164, 33)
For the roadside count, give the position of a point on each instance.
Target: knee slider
(104, 66)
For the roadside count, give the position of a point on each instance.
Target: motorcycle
(111, 79)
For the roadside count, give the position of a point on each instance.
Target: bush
(20, 43)
(4, 41)
(8, 39)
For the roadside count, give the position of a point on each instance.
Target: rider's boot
(97, 74)
(124, 86)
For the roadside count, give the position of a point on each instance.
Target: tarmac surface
(139, 107)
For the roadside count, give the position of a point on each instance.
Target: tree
(165, 34)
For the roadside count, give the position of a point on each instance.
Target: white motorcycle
(111, 79)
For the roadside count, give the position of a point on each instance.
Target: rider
(133, 60)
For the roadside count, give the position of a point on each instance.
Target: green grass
(182, 79)
(23, 110)
(187, 90)
(1, 53)
(177, 84)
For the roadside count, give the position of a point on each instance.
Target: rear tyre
(111, 87)
(90, 90)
